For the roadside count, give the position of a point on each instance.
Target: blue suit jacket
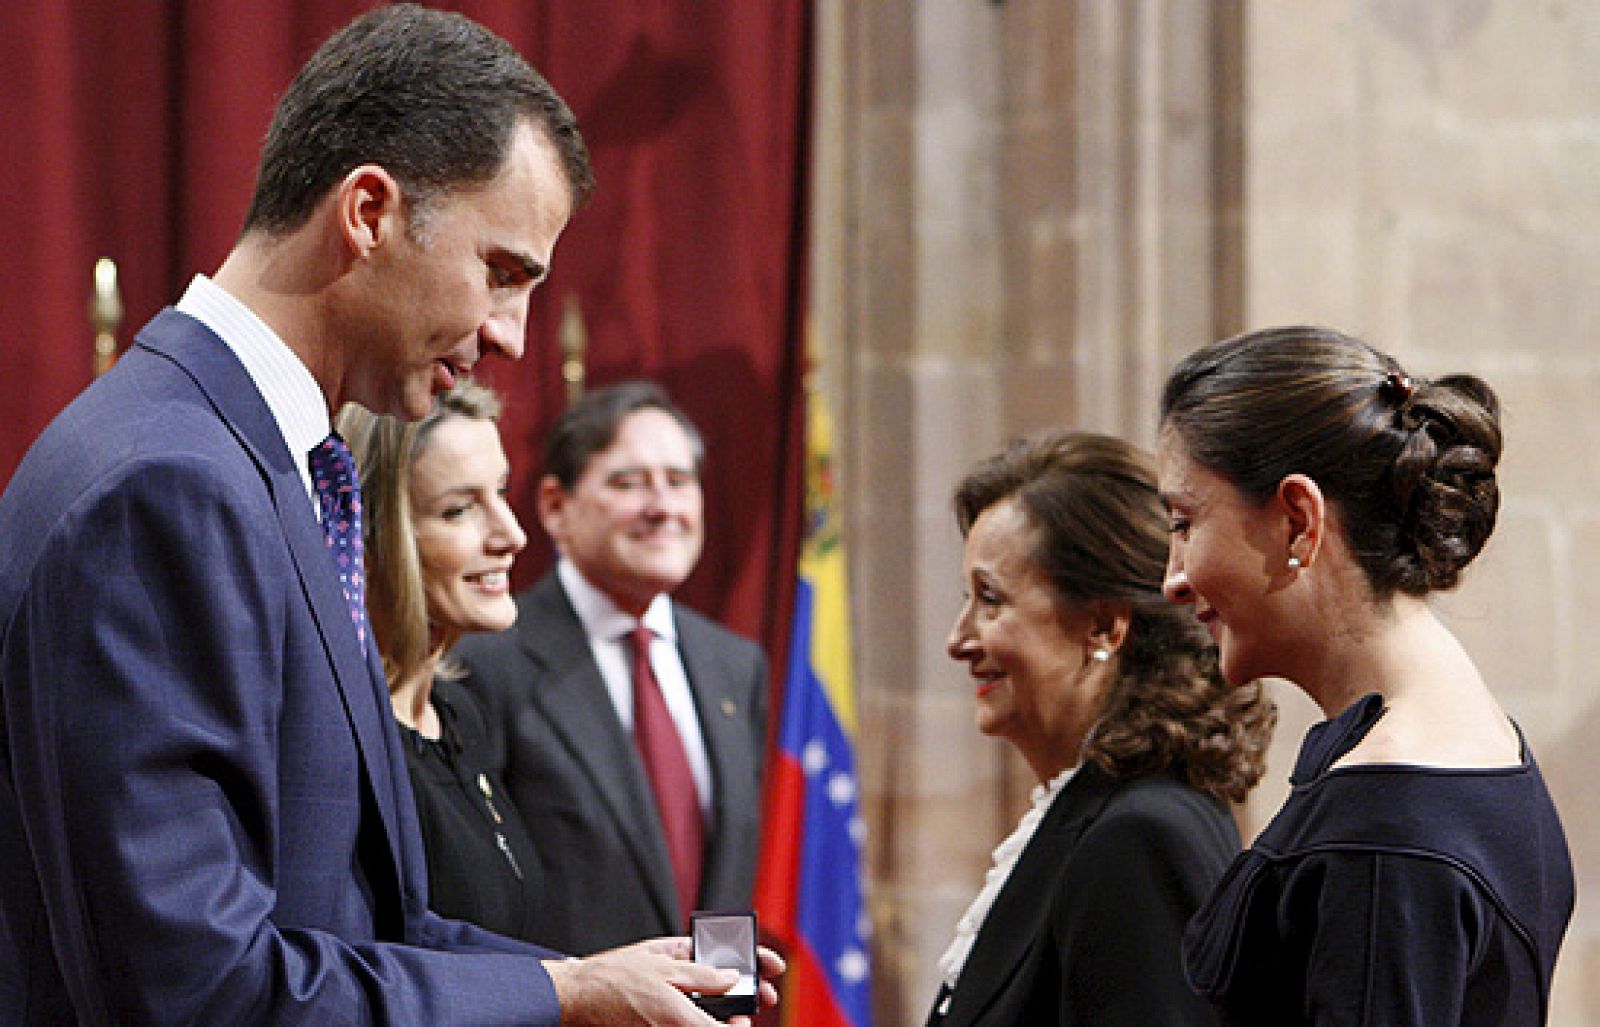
(204, 812)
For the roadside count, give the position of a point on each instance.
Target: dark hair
(590, 425)
(1101, 537)
(430, 96)
(1408, 464)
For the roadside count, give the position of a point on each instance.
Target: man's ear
(553, 508)
(1302, 502)
(370, 209)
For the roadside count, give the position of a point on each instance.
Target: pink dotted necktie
(333, 472)
(670, 777)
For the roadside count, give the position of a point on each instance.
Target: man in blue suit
(204, 815)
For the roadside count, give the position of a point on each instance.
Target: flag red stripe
(777, 883)
(808, 1000)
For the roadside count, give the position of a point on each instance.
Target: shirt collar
(291, 393)
(601, 617)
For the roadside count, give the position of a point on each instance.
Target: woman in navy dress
(1418, 873)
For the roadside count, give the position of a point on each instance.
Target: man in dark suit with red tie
(634, 727)
(204, 815)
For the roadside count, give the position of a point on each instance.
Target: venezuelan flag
(808, 890)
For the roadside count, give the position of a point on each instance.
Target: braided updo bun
(1444, 481)
(1409, 464)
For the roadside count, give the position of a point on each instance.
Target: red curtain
(132, 132)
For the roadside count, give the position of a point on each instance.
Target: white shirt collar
(607, 628)
(292, 394)
(601, 617)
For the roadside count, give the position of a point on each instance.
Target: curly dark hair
(1101, 537)
(1409, 464)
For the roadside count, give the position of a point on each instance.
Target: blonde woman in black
(440, 540)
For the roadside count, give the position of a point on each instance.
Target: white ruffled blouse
(1005, 858)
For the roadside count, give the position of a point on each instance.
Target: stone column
(1023, 210)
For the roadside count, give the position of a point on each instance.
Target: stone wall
(1428, 175)
(1027, 209)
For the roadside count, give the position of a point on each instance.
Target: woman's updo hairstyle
(1408, 464)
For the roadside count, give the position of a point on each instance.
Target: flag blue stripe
(829, 905)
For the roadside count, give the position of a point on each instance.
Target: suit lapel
(1020, 914)
(568, 682)
(238, 403)
(359, 683)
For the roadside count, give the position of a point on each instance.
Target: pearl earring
(1100, 655)
(1294, 563)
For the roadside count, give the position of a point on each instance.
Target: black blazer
(1087, 929)
(576, 778)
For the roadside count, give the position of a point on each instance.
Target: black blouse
(1390, 894)
(481, 865)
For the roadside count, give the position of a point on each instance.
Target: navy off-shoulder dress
(1392, 895)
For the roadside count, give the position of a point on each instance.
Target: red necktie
(670, 778)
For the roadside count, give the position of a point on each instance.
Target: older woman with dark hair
(1418, 873)
(1113, 698)
(440, 542)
